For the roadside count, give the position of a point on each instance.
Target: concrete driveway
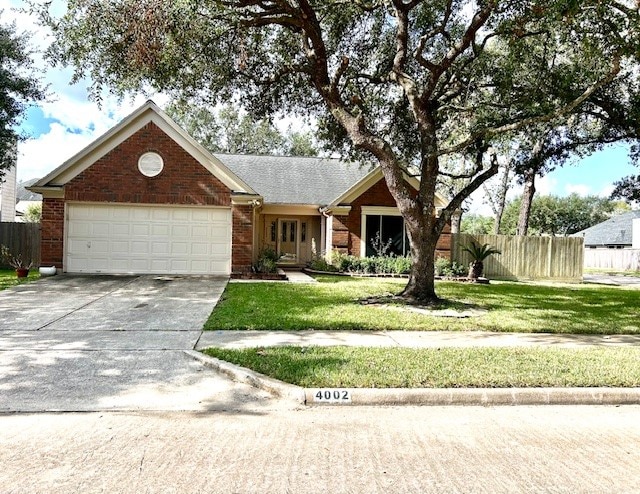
(614, 280)
(81, 343)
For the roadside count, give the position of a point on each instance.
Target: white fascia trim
(149, 112)
(48, 192)
(337, 210)
(246, 199)
(291, 209)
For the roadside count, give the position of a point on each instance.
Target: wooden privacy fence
(621, 259)
(22, 238)
(550, 258)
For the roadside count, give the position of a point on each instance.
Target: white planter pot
(47, 271)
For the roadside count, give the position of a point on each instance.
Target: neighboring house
(8, 196)
(26, 195)
(22, 207)
(615, 233)
(147, 198)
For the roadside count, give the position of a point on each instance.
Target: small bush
(321, 264)
(447, 269)
(266, 262)
(402, 265)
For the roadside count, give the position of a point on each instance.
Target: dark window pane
(303, 232)
(393, 230)
(373, 227)
(293, 231)
(284, 231)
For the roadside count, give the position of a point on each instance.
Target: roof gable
(149, 112)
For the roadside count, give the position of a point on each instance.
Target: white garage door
(148, 239)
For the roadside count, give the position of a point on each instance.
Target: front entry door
(288, 240)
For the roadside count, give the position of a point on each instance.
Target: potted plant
(478, 254)
(18, 262)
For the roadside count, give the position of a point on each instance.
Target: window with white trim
(385, 233)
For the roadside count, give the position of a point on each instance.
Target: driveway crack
(89, 303)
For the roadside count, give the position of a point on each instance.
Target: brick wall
(242, 238)
(347, 229)
(52, 233)
(115, 177)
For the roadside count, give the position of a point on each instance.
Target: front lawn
(333, 304)
(349, 367)
(8, 278)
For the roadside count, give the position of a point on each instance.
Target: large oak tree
(400, 83)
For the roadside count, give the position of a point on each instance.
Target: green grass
(8, 278)
(332, 304)
(352, 367)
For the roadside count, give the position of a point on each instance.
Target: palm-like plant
(478, 254)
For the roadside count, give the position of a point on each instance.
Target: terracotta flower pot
(22, 272)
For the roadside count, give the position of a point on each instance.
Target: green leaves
(19, 87)
(480, 252)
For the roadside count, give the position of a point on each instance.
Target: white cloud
(78, 124)
(580, 189)
(606, 190)
(546, 185)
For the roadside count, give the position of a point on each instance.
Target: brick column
(52, 240)
(242, 238)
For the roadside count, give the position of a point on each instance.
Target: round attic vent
(150, 164)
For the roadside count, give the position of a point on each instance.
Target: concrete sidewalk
(408, 339)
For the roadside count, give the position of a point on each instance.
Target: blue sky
(69, 121)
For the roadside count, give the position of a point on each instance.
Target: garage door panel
(159, 248)
(101, 229)
(180, 248)
(140, 229)
(148, 239)
(99, 247)
(121, 229)
(181, 214)
(139, 247)
(160, 230)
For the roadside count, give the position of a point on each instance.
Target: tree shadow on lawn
(511, 306)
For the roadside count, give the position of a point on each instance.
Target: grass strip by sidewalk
(333, 304)
(355, 367)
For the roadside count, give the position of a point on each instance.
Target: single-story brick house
(147, 198)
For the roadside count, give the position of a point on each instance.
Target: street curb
(247, 376)
(485, 396)
(426, 396)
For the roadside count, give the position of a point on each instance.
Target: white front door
(288, 240)
(155, 239)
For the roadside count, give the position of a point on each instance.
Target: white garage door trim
(147, 239)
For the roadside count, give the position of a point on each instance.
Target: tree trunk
(456, 220)
(527, 200)
(502, 198)
(423, 239)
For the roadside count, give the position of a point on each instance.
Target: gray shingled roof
(617, 230)
(295, 180)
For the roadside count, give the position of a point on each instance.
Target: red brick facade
(347, 229)
(242, 243)
(115, 178)
(52, 243)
